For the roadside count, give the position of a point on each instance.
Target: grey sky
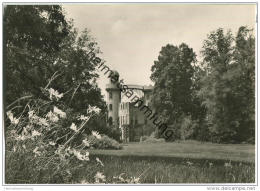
(131, 35)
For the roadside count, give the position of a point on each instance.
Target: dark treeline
(213, 99)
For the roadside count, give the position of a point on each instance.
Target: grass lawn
(167, 170)
(184, 162)
(188, 149)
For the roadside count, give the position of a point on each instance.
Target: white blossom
(86, 142)
(13, 120)
(96, 134)
(36, 152)
(93, 109)
(43, 122)
(35, 133)
(99, 161)
(99, 177)
(51, 143)
(55, 93)
(73, 127)
(84, 182)
(228, 164)
(31, 113)
(59, 112)
(52, 117)
(135, 180)
(83, 118)
(81, 156)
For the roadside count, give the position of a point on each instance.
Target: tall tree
(243, 84)
(228, 87)
(216, 93)
(172, 74)
(32, 37)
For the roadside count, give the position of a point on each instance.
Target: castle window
(110, 95)
(110, 107)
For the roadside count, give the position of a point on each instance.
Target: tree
(215, 92)
(227, 89)
(39, 44)
(32, 37)
(243, 84)
(172, 74)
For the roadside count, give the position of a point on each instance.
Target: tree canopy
(40, 45)
(211, 100)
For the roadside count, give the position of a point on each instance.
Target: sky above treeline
(131, 35)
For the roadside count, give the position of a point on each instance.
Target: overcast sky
(131, 35)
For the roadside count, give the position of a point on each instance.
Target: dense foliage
(103, 143)
(211, 100)
(51, 97)
(38, 43)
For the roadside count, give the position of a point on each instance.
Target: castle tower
(113, 100)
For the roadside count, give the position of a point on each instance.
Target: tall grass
(147, 169)
(179, 170)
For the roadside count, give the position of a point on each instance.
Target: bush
(154, 140)
(104, 142)
(99, 124)
(151, 139)
(187, 127)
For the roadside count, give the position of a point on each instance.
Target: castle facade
(123, 113)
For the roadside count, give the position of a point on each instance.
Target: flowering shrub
(40, 138)
(41, 141)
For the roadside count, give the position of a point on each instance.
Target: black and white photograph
(129, 93)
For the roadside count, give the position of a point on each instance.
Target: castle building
(123, 113)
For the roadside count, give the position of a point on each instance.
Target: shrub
(40, 145)
(100, 125)
(103, 142)
(154, 140)
(151, 139)
(43, 143)
(187, 127)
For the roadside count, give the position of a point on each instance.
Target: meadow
(177, 170)
(183, 162)
(149, 163)
(186, 149)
